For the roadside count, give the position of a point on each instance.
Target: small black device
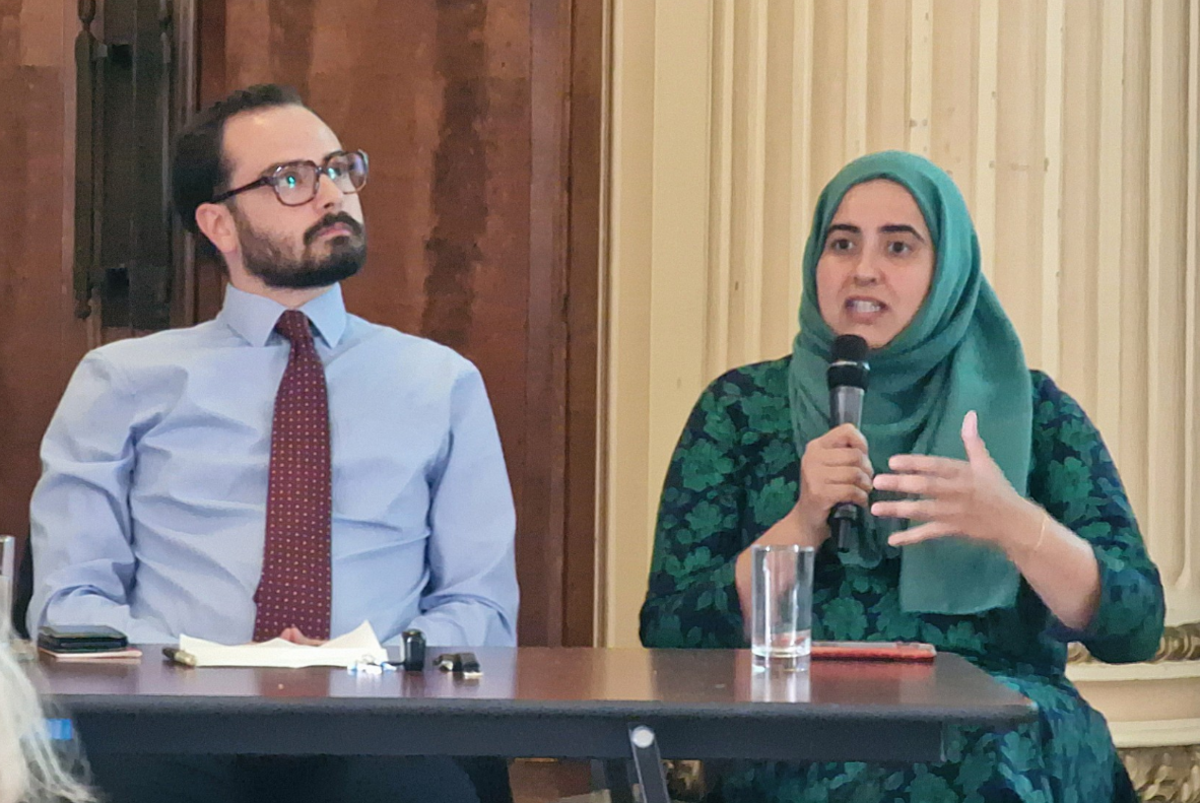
(81, 638)
(463, 664)
(414, 650)
(847, 377)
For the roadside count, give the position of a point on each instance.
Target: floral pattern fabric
(735, 473)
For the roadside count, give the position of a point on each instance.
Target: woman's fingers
(840, 456)
(845, 460)
(925, 464)
(843, 446)
(917, 509)
(843, 484)
(854, 494)
(835, 469)
(849, 476)
(847, 435)
(914, 484)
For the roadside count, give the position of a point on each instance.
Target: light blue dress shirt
(150, 512)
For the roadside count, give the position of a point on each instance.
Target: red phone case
(873, 651)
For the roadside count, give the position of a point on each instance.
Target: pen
(179, 656)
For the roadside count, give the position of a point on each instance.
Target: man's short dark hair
(199, 169)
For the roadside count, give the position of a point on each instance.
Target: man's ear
(215, 221)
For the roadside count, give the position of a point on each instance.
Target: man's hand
(294, 635)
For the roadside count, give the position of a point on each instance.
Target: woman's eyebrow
(901, 228)
(844, 227)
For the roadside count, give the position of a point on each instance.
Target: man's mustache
(342, 218)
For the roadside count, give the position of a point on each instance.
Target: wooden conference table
(608, 704)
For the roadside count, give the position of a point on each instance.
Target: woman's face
(876, 264)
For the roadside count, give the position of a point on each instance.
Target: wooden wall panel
(585, 269)
(542, 479)
(40, 338)
(463, 107)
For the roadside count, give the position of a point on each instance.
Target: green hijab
(960, 353)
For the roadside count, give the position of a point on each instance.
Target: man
(287, 468)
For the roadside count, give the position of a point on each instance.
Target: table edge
(392, 706)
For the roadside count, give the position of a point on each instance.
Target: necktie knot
(293, 324)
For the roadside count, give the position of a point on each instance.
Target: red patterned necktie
(296, 580)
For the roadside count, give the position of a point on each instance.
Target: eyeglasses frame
(270, 177)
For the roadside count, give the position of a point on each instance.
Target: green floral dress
(735, 473)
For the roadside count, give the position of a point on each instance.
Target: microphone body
(847, 377)
(845, 405)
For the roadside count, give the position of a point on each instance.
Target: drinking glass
(8, 581)
(781, 603)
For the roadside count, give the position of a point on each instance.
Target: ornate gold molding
(685, 780)
(1179, 643)
(1164, 774)
(1159, 774)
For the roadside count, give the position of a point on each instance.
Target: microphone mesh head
(848, 364)
(849, 348)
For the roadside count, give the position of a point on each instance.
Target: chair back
(23, 589)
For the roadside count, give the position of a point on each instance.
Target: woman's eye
(899, 248)
(839, 244)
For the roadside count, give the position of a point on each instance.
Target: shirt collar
(254, 316)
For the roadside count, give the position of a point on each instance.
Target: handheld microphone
(847, 376)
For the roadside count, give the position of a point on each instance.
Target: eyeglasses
(297, 183)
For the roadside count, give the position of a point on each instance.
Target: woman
(997, 529)
(31, 771)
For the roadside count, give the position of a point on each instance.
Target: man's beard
(263, 257)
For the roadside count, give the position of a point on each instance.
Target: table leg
(648, 762)
(616, 778)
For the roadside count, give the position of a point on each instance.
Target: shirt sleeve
(1075, 479)
(472, 597)
(80, 524)
(692, 598)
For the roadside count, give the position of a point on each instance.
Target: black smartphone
(81, 638)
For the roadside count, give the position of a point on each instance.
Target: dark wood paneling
(584, 269)
(40, 338)
(463, 106)
(545, 393)
(207, 281)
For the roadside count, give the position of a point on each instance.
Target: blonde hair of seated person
(31, 770)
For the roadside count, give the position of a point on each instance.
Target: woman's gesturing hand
(970, 498)
(835, 469)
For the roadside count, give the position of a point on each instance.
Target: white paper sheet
(344, 651)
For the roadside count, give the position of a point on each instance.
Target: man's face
(315, 244)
